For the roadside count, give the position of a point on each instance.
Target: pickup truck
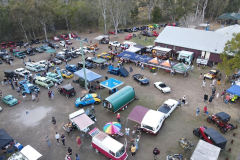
(114, 43)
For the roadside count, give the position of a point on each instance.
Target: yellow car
(65, 73)
(150, 26)
(105, 56)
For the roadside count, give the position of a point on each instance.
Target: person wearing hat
(155, 153)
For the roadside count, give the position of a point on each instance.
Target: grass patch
(149, 41)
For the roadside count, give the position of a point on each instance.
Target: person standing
(219, 80)
(205, 97)
(33, 97)
(52, 95)
(142, 66)
(205, 110)
(47, 140)
(26, 111)
(49, 95)
(54, 121)
(133, 150)
(68, 129)
(69, 151)
(57, 136)
(12, 86)
(204, 84)
(136, 140)
(214, 81)
(155, 153)
(118, 117)
(37, 96)
(198, 67)
(127, 130)
(227, 99)
(200, 76)
(18, 91)
(130, 68)
(210, 99)
(192, 68)
(184, 100)
(77, 157)
(213, 91)
(56, 85)
(93, 108)
(198, 110)
(223, 93)
(63, 139)
(79, 142)
(53, 66)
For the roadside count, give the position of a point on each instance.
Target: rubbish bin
(152, 70)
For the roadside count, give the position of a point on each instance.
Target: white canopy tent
(30, 153)
(133, 49)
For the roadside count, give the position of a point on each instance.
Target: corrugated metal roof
(229, 30)
(194, 39)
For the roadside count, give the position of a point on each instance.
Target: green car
(156, 26)
(43, 81)
(10, 100)
(19, 54)
(54, 77)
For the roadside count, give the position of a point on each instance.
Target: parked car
(55, 39)
(111, 32)
(104, 41)
(29, 52)
(149, 49)
(212, 74)
(221, 120)
(11, 44)
(93, 46)
(62, 43)
(19, 43)
(4, 45)
(35, 41)
(65, 73)
(67, 90)
(150, 26)
(33, 67)
(114, 43)
(64, 57)
(155, 34)
(22, 72)
(92, 98)
(73, 55)
(72, 67)
(89, 59)
(53, 45)
(140, 79)
(127, 30)
(120, 31)
(168, 107)
(45, 47)
(56, 61)
(85, 50)
(68, 42)
(38, 50)
(32, 88)
(43, 81)
(162, 87)
(43, 63)
(211, 136)
(88, 65)
(74, 35)
(54, 77)
(10, 100)
(145, 33)
(19, 54)
(65, 37)
(118, 71)
(129, 36)
(5, 57)
(14, 49)
(104, 55)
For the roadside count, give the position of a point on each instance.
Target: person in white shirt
(57, 136)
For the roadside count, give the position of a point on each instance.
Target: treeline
(29, 19)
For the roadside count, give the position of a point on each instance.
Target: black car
(52, 45)
(145, 33)
(73, 55)
(128, 30)
(29, 52)
(3, 54)
(19, 43)
(87, 65)
(89, 59)
(5, 57)
(104, 41)
(38, 50)
(35, 41)
(140, 79)
(64, 58)
(120, 31)
(56, 61)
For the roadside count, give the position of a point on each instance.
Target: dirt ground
(32, 128)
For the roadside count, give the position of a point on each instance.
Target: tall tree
(103, 7)
(156, 14)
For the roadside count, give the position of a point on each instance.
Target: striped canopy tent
(167, 64)
(156, 61)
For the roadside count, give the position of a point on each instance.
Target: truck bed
(123, 72)
(164, 109)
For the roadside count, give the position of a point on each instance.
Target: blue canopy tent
(235, 89)
(90, 75)
(126, 54)
(111, 84)
(143, 58)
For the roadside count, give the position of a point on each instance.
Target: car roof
(19, 69)
(42, 78)
(171, 102)
(215, 136)
(8, 96)
(72, 65)
(223, 116)
(91, 95)
(67, 87)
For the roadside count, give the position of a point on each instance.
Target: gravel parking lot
(33, 127)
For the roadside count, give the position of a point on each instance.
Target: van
(119, 100)
(185, 56)
(33, 67)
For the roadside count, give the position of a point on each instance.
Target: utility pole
(84, 70)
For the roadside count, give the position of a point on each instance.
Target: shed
(143, 48)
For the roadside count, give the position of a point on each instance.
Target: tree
(102, 6)
(156, 14)
(231, 55)
(134, 14)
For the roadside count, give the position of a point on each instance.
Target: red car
(55, 38)
(4, 45)
(111, 32)
(155, 34)
(74, 35)
(14, 49)
(65, 37)
(68, 42)
(129, 36)
(11, 44)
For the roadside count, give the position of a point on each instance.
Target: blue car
(72, 67)
(32, 88)
(118, 71)
(140, 79)
(92, 98)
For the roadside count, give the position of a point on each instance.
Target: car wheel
(195, 132)
(96, 150)
(96, 102)
(208, 120)
(140, 83)
(126, 107)
(67, 95)
(64, 77)
(123, 109)
(162, 91)
(155, 85)
(222, 130)
(80, 105)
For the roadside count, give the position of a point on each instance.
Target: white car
(114, 43)
(62, 43)
(162, 87)
(43, 63)
(22, 72)
(168, 107)
(129, 43)
(85, 50)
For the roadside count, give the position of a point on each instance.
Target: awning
(167, 64)
(82, 121)
(111, 83)
(133, 49)
(90, 75)
(5, 139)
(126, 54)
(99, 60)
(233, 16)
(155, 61)
(235, 89)
(30, 153)
(138, 113)
(143, 58)
(180, 67)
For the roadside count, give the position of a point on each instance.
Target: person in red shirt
(227, 99)
(118, 117)
(155, 153)
(204, 110)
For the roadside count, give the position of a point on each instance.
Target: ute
(221, 120)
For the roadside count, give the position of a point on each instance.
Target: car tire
(155, 85)
(67, 95)
(123, 109)
(195, 132)
(96, 150)
(222, 130)
(80, 105)
(162, 91)
(96, 103)
(209, 120)
(126, 107)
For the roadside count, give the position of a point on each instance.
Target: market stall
(111, 84)
(142, 48)
(5, 139)
(235, 89)
(167, 64)
(181, 68)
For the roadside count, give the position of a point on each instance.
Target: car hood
(166, 89)
(208, 74)
(13, 101)
(77, 100)
(144, 80)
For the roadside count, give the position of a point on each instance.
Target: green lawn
(142, 40)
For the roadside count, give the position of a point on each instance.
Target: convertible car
(140, 79)
(162, 87)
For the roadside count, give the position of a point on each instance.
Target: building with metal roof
(207, 44)
(229, 30)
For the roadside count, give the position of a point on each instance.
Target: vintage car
(145, 33)
(67, 90)
(118, 71)
(65, 73)
(114, 43)
(150, 26)
(140, 79)
(43, 63)
(19, 54)
(29, 52)
(65, 37)
(7, 57)
(32, 88)
(104, 55)
(33, 67)
(45, 47)
(73, 55)
(168, 107)
(11, 44)
(162, 87)
(43, 81)
(72, 67)
(212, 74)
(155, 34)
(129, 36)
(85, 50)
(22, 72)
(93, 46)
(55, 38)
(62, 43)
(54, 77)
(87, 64)
(56, 61)
(14, 49)
(10, 100)
(92, 98)
(104, 41)
(74, 35)
(211, 136)
(127, 30)
(68, 42)
(111, 32)
(4, 45)
(53, 45)
(35, 41)
(221, 120)
(64, 57)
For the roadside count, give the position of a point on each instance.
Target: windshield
(47, 81)
(120, 152)
(10, 98)
(211, 72)
(182, 56)
(69, 74)
(37, 67)
(21, 70)
(82, 98)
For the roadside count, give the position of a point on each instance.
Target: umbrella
(112, 127)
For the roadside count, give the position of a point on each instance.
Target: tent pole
(83, 65)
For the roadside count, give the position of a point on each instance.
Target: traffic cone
(19, 101)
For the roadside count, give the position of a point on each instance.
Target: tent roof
(101, 37)
(194, 39)
(181, 67)
(233, 16)
(82, 121)
(155, 61)
(229, 30)
(168, 63)
(133, 49)
(235, 89)
(90, 75)
(5, 138)
(127, 54)
(143, 58)
(30, 153)
(138, 113)
(111, 83)
(140, 46)
(99, 60)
